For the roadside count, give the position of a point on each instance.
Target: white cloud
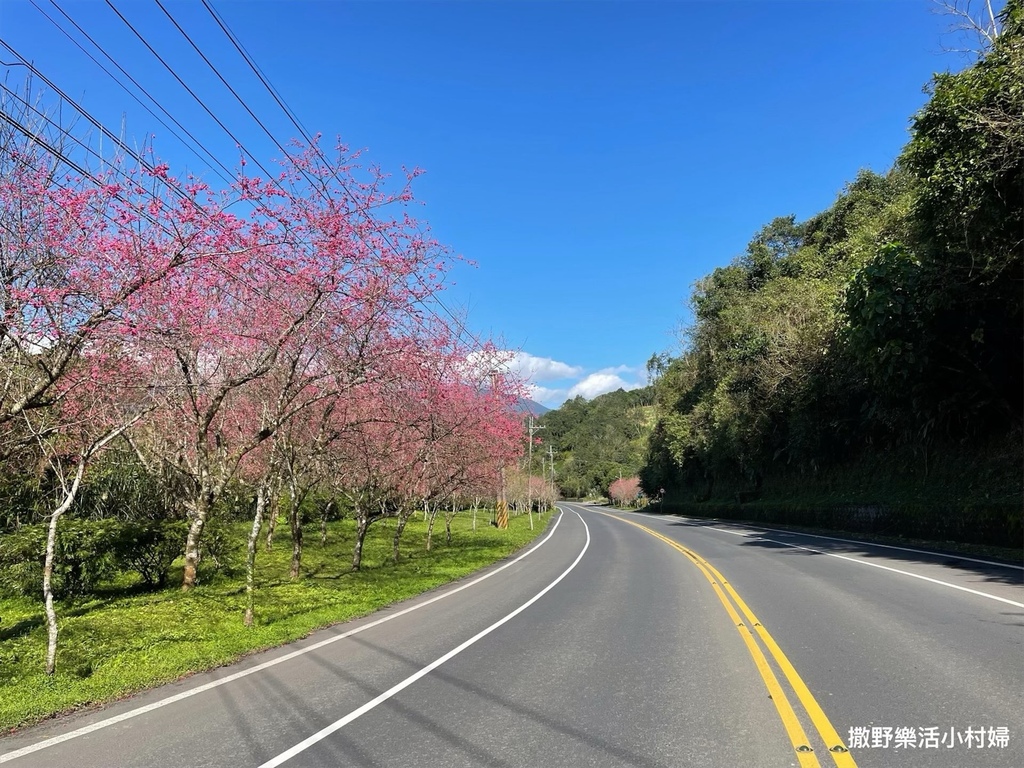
(535, 368)
(529, 368)
(547, 396)
(600, 383)
(563, 381)
(618, 369)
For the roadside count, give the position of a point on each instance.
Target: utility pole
(529, 469)
(551, 468)
(500, 504)
(543, 467)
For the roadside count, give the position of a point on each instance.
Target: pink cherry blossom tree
(288, 304)
(625, 491)
(88, 412)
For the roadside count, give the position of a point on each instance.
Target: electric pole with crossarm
(529, 469)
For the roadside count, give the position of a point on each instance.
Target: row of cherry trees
(523, 490)
(272, 333)
(626, 492)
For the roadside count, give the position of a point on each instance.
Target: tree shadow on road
(976, 572)
(480, 756)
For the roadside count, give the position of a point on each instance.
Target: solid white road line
(8, 756)
(339, 724)
(872, 544)
(897, 570)
(755, 534)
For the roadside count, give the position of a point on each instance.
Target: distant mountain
(526, 406)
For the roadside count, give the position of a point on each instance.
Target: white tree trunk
(250, 557)
(51, 547)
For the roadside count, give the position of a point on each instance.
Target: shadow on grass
(63, 612)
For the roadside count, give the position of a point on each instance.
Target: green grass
(122, 641)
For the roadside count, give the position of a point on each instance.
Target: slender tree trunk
(296, 497)
(324, 512)
(295, 518)
(430, 525)
(403, 518)
(250, 559)
(271, 527)
(51, 548)
(448, 525)
(199, 512)
(362, 523)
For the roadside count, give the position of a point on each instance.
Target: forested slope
(598, 441)
(863, 368)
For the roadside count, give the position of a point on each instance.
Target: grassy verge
(123, 641)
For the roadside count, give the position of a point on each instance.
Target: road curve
(618, 640)
(886, 638)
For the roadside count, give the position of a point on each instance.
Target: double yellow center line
(747, 625)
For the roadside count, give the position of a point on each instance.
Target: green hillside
(863, 368)
(597, 441)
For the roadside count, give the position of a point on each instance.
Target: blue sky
(593, 159)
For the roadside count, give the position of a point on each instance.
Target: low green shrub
(84, 557)
(149, 549)
(90, 553)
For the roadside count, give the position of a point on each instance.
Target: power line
(463, 331)
(461, 327)
(61, 157)
(370, 219)
(184, 85)
(220, 77)
(258, 72)
(92, 120)
(81, 110)
(134, 155)
(198, 144)
(84, 173)
(66, 134)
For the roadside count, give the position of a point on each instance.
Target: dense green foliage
(124, 527)
(885, 331)
(597, 441)
(90, 553)
(121, 640)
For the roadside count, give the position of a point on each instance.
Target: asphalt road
(618, 640)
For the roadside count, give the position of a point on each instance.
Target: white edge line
(893, 546)
(8, 756)
(847, 541)
(341, 723)
(905, 573)
(865, 562)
